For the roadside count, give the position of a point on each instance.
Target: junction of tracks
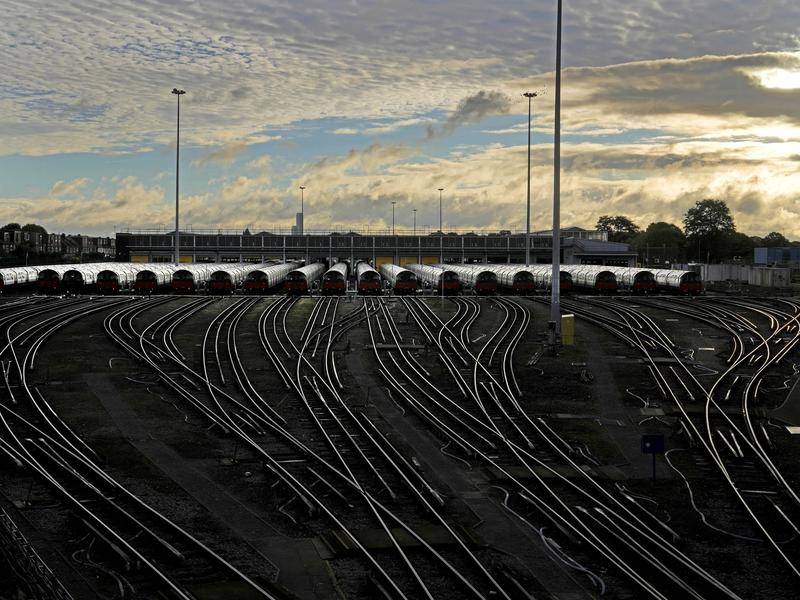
(398, 447)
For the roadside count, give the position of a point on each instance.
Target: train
(189, 278)
(402, 281)
(153, 278)
(115, 280)
(18, 278)
(479, 279)
(301, 280)
(637, 281)
(48, 281)
(334, 280)
(688, 283)
(228, 278)
(593, 278)
(368, 279)
(264, 279)
(443, 281)
(514, 279)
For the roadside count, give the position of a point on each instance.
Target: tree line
(708, 235)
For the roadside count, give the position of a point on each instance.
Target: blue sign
(653, 443)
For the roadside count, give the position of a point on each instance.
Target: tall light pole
(441, 230)
(414, 210)
(393, 203)
(178, 93)
(302, 211)
(555, 301)
(530, 96)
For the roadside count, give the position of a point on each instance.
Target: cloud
(225, 155)
(484, 189)
(228, 153)
(264, 64)
(263, 162)
(473, 109)
(128, 200)
(68, 188)
(345, 131)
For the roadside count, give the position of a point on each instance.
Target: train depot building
(578, 246)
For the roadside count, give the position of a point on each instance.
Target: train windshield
(370, 276)
(220, 276)
(523, 277)
(449, 276)
(691, 277)
(606, 277)
(47, 275)
(644, 277)
(485, 276)
(106, 276)
(256, 276)
(143, 276)
(183, 275)
(333, 276)
(73, 276)
(406, 276)
(295, 276)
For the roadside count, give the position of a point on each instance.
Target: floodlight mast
(178, 93)
(555, 287)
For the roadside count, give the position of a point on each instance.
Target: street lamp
(414, 210)
(530, 96)
(441, 231)
(302, 211)
(393, 203)
(555, 301)
(178, 93)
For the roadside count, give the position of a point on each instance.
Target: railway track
(335, 469)
(726, 439)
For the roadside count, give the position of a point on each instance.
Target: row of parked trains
(298, 278)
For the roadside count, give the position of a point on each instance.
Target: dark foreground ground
(597, 397)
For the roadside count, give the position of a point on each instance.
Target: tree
(663, 241)
(733, 245)
(10, 227)
(35, 228)
(708, 217)
(774, 240)
(707, 225)
(619, 228)
(662, 234)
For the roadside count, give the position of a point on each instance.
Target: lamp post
(178, 93)
(441, 230)
(555, 301)
(530, 96)
(302, 211)
(393, 203)
(414, 210)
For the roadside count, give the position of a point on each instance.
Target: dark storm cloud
(473, 109)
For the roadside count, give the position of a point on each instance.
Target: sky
(664, 103)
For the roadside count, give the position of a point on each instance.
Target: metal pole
(415, 221)
(441, 230)
(530, 96)
(393, 203)
(178, 93)
(555, 301)
(177, 183)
